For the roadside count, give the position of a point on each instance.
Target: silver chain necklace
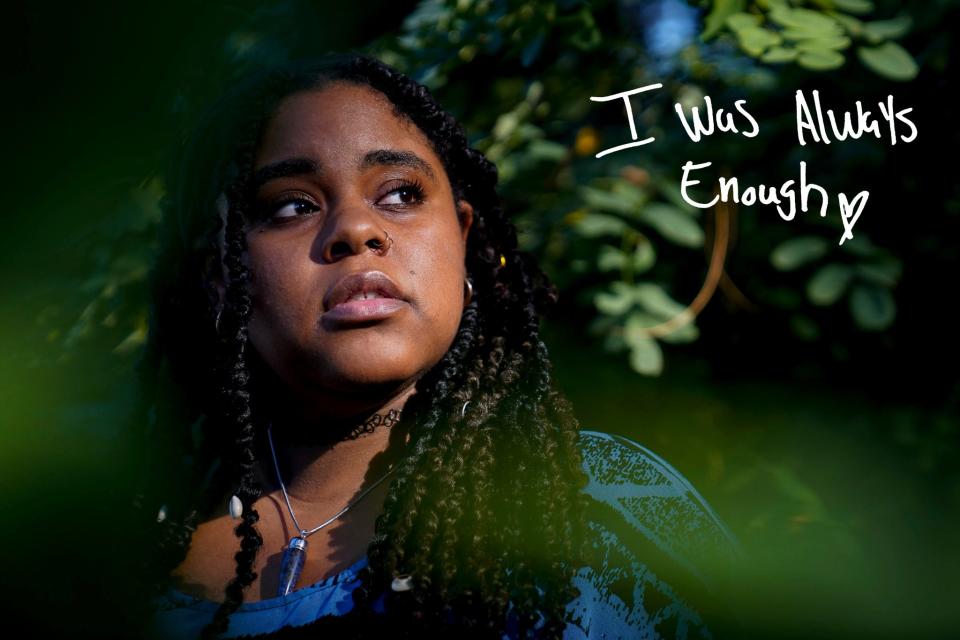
(295, 555)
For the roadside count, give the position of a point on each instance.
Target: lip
(339, 309)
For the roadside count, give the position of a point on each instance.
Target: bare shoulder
(209, 564)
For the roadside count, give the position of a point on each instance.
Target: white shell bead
(236, 507)
(402, 583)
(162, 514)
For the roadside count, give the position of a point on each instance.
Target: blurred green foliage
(815, 37)
(613, 230)
(812, 397)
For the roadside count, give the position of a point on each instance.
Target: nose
(352, 230)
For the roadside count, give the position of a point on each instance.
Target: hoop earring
(382, 246)
(469, 290)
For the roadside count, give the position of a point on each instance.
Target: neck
(332, 466)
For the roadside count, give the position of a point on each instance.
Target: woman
(381, 449)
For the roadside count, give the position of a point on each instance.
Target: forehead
(339, 123)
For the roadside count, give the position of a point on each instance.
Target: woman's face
(356, 249)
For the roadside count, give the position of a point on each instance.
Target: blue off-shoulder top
(663, 556)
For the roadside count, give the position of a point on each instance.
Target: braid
(486, 513)
(235, 394)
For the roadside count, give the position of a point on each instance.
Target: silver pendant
(294, 557)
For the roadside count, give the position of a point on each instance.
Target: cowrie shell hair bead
(403, 582)
(236, 507)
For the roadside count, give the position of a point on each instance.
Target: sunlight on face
(356, 248)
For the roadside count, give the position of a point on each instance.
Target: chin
(358, 379)
(368, 368)
(371, 356)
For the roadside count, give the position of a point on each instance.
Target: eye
(407, 194)
(290, 207)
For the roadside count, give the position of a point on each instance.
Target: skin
(312, 229)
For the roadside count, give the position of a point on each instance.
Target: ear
(465, 215)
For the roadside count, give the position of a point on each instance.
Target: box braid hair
(486, 513)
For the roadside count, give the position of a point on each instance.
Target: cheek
(440, 273)
(281, 296)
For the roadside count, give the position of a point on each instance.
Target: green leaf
(646, 357)
(594, 225)
(505, 125)
(587, 37)
(640, 260)
(717, 18)
(797, 252)
(133, 340)
(776, 55)
(742, 20)
(644, 256)
(872, 307)
(853, 26)
(637, 326)
(820, 60)
(829, 283)
(617, 301)
(854, 6)
(632, 198)
(794, 33)
(889, 60)
(814, 45)
(547, 150)
(755, 40)
(655, 300)
(804, 19)
(884, 274)
(682, 334)
(861, 246)
(606, 201)
(610, 259)
(673, 224)
(888, 29)
(670, 190)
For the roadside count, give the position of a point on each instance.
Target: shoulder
(208, 564)
(656, 500)
(662, 553)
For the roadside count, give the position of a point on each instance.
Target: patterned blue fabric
(662, 549)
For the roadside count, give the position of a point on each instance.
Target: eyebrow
(283, 169)
(391, 158)
(305, 166)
